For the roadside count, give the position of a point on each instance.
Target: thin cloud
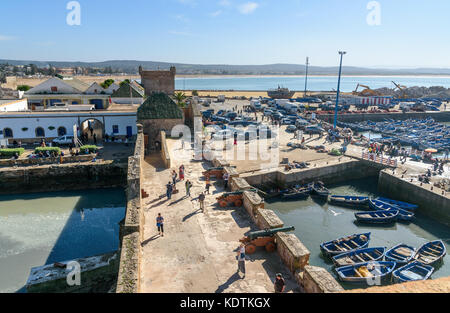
(225, 3)
(216, 13)
(248, 8)
(2, 37)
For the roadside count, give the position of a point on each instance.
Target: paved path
(198, 251)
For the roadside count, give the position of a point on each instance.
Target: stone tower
(158, 81)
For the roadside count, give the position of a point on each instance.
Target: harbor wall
(331, 172)
(62, 177)
(378, 117)
(291, 250)
(131, 228)
(97, 274)
(432, 202)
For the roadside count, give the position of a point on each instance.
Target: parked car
(291, 129)
(63, 140)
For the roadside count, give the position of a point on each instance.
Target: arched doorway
(91, 127)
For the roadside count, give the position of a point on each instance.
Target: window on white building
(115, 129)
(40, 132)
(8, 133)
(62, 131)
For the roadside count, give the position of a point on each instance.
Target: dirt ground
(198, 251)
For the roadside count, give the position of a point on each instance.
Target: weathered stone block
(292, 251)
(252, 202)
(238, 183)
(267, 219)
(317, 280)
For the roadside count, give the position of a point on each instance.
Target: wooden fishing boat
(359, 256)
(401, 253)
(412, 272)
(367, 272)
(345, 244)
(352, 201)
(402, 205)
(319, 190)
(378, 205)
(297, 193)
(431, 253)
(377, 217)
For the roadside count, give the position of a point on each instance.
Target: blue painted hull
(379, 272)
(358, 256)
(351, 201)
(413, 271)
(377, 217)
(346, 244)
(378, 205)
(402, 205)
(401, 253)
(431, 253)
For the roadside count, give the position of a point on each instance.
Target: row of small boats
(355, 262)
(316, 189)
(420, 134)
(384, 210)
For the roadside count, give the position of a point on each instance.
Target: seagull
(335, 213)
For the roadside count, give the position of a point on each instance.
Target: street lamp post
(339, 85)
(306, 77)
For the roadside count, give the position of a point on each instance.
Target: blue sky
(413, 33)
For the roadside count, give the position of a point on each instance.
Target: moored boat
(400, 204)
(297, 193)
(319, 190)
(401, 253)
(359, 256)
(431, 253)
(368, 272)
(352, 201)
(377, 217)
(345, 244)
(412, 272)
(378, 205)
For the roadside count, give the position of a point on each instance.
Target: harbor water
(317, 222)
(315, 83)
(39, 229)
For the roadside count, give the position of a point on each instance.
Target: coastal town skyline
(375, 33)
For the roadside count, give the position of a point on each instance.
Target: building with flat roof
(67, 91)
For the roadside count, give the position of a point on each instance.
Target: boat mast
(306, 78)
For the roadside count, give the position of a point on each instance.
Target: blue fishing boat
(412, 272)
(431, 253)
(377, 217)
(367, 272)
(401, 253)
(400, 204)
(345, 244)
(378, 205)
(349, 200)
(359, 256)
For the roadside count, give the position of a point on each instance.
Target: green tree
(195, 93)
(126, 81)
(23, 87)
(180, 97)
(107, 83)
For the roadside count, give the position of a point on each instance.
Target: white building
(13, 105)
(31, 127)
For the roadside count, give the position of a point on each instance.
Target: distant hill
(130, 66)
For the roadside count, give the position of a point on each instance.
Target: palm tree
(180, 97)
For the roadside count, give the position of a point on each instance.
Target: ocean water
(39, 229)
(315, 83)
(318, 222)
